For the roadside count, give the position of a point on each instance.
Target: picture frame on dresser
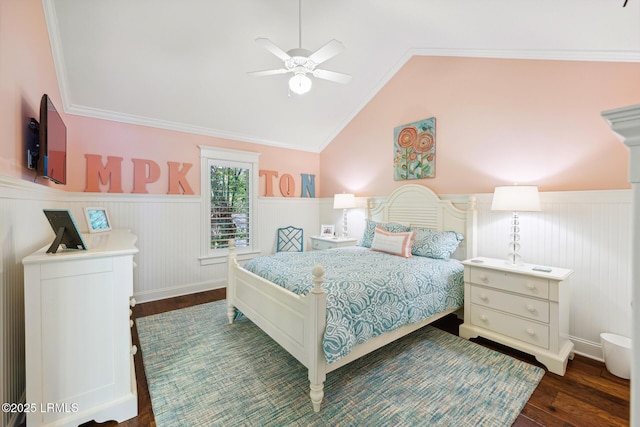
(97, 220)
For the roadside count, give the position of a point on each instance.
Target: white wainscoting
(587, 231)
(23, 229)
(168, 229)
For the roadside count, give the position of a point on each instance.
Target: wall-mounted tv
(52, 159)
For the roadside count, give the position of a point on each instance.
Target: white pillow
(393, 243)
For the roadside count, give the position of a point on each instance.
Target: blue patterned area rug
(202, 371)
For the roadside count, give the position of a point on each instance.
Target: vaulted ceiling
(183, 64)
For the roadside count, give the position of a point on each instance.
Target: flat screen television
(66, 230)
(52, 159)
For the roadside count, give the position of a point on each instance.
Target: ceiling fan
(301, 62)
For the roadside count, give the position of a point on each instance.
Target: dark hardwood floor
(588, 395)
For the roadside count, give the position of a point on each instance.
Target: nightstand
(320, 242)
(519, 306)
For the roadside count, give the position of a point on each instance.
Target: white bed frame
(297, 323)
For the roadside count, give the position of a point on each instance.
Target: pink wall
(498, 121)
(26, 72)
(106, 138)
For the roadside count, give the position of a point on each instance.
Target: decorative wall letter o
(287, 185)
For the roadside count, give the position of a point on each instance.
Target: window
(230, 212)
(229, 187)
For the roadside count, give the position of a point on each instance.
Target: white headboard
(418, 206)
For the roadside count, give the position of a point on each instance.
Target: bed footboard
(296, 323)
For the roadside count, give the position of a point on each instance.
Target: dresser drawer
(512, 282)
(535, 309)
(514, 327)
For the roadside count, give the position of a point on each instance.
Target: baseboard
(589, 349)
(176, 291)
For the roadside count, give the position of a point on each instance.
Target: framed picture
(97, 220)
(414, 150)
(327, 230)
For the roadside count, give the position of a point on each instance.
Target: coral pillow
(393, 243)
(370, 228)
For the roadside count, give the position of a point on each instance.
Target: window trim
(224, 155)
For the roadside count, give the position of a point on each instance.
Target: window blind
(230, 206)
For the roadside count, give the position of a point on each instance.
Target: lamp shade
(516, 198)
(344, 201)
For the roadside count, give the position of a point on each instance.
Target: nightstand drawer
(514, 327)
(530, 308)
(321, 244)
(513, 282)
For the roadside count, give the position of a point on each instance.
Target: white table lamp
(515, 198)
(344, 201)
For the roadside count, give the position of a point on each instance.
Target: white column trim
(625, 122)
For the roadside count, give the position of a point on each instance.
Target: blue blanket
(368, 293)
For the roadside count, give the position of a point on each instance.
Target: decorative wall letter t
(268, 181)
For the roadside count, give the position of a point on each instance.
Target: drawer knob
(132, 302)
(130, 323)
(483, 317)
(484, 297)
(531, 286)
(531, 308)
(484, 277)
(531, 331)
(134, 350)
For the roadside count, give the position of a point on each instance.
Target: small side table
(320, 242)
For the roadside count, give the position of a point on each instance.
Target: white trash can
(616, 350)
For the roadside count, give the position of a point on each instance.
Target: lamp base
(513, 257)
(345, 232)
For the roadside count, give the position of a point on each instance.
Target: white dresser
(79, 356)
(519, 306)
(320, 242)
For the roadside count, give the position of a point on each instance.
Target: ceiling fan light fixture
(300, 84)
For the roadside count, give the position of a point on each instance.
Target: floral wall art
(415, 150)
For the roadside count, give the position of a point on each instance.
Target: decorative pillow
(393, 243)
(370, 227)
(435, 244)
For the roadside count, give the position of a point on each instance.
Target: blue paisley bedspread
(368, 292)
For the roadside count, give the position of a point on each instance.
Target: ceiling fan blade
(332, 76)
(327, 51)
(268, 72)
(268, 44)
